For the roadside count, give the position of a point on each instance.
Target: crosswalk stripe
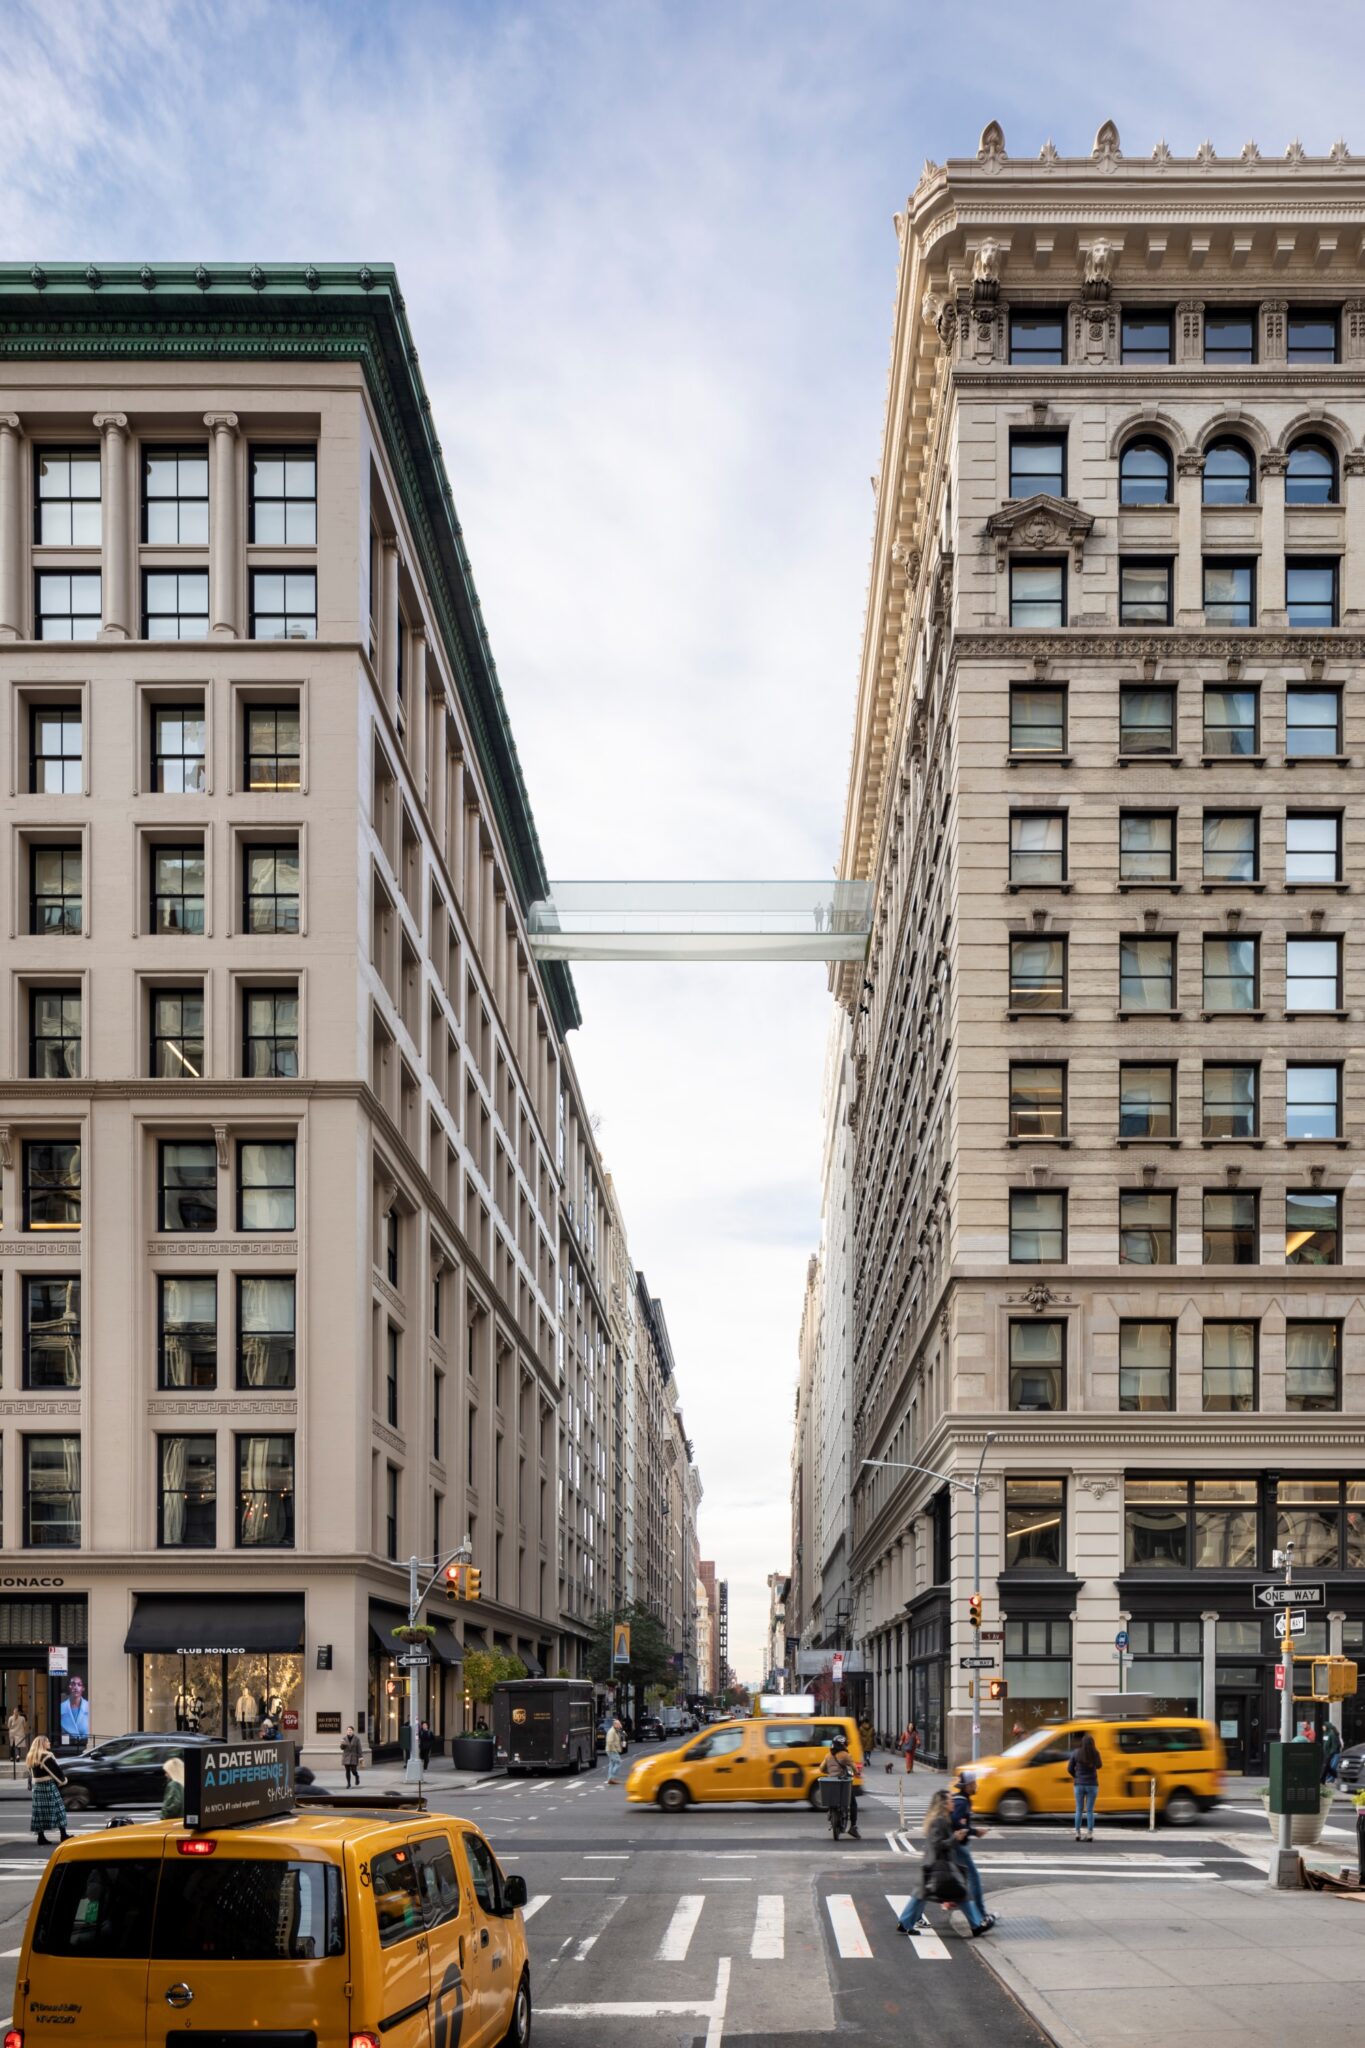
(676, 1942)
(533, 1906)
(770, 1928)
(930, 1947)
(611, 1907)
(847, 1928)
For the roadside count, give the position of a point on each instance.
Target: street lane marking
(590, 1880)
(678, 1938)
(770, 1928)
(847, 1928)
(930, 1947)
(710, 2009)
(611, 1908)
(534, 1905)
(607, 1856)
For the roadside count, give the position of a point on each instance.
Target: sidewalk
(388, 1777)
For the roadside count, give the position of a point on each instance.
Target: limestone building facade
(1107, 1090)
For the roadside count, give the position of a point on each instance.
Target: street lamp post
(973, 1487)
(462, 1553)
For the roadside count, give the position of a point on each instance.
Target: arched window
(1228, 473)
(1145, 474)
(1311, 478)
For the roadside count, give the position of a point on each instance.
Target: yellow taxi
(769, 1758)
(321, 1927)
(1185, 1757)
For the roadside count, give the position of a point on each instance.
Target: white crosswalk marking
(928, 1947)
(847, 1928)
(676, 1942)
(611, 1907)
(770, 1928)
(533, 1906)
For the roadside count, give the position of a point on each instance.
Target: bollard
(1151, 1808)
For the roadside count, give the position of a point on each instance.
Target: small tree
(651, 1660)
(484, 1669)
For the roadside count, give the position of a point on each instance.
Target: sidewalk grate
(1027, 1927)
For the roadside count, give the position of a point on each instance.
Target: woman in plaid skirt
(46, 1810)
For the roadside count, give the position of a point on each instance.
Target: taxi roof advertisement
(229, 1783)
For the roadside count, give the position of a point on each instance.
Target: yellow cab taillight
(195, 1845)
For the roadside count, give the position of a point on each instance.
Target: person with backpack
(1083, 1768)
(942, 1876)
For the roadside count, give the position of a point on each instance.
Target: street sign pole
(1284, 1868)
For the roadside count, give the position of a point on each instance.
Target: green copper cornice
(334, 311)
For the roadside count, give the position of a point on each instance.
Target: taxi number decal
(448, 2019)
(363, 1873)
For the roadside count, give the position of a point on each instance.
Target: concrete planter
(1305, 1829)
(475, 1753)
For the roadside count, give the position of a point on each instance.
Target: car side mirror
(514, 1890)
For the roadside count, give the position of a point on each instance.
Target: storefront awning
(215, 1624)
(446, 1644)
(534, 1667)
(384, 1620)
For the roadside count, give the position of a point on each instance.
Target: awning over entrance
(385, 1619)
(534, 1667)
(215, 1624)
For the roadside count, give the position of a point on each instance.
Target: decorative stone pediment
(1039, 525)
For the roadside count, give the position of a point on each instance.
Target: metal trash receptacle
(835, 1794)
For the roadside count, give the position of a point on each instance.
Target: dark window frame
(1044, 356)
(198, 1499)
(1332, 817)
(1235, 487)
(39, 1183)
(1137, 1403)
(1308, 1406)
(1024, 854)
(1132, 490)
(166, 1193)
(1252, 1067)
(1219, 611)
(169, 1332)
(1229, 814)
(288, 1493)
(1319, 1195)
(1132, 993)
(45, 619)
(1298, 693)
(1334, 1067)
(30, 1441)
(1128, 693)
(185, 852)
(182, 1040)
(162, 758)
(277, 1065)
(1022, 609)
(1048, 1491)
(1222, 983)
(291, 610)
(1017, 1231)
(182, 614)
(176, 452)
(1155, 1232)
(282, 919)
(1135, 878)
(63, 994)
(1305, 489)
(69, 1341)
(1022, 986)
(68, 850)
(89, 455)
(1247, 1407)
(1049, 1066)
(245, 1189)
(1154, 317)
(273, 1380)
(1038, 437)
(1141, 612)
(1214, 317)
(1167, 1067)
(1332, 609)
(251, 755)
(1019, 1368)
(1312, 316)
(1244, 1254)
(1214, 752)
(288, 453)
(67, 712)
(1291, 976)
(1019, 693)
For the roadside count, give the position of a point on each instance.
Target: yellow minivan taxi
(1185, 1757)
(770, 1758)
(336, 1930)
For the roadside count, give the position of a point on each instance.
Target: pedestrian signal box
(1000, 1688)
(1295, 1777)
(1334, 1678)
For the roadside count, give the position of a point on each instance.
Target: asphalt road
(749, 1923)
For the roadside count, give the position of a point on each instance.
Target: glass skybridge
(702, 921)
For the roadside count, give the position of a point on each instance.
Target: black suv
(127, 1770)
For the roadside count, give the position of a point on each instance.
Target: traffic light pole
(1285, 1868)
(412, 1768)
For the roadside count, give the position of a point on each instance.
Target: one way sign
(1268, 1594)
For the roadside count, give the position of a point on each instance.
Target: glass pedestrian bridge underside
(702, 921)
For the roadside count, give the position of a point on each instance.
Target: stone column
(488, 926)
(438, 775)
(1189, 560)
(421, 711)
(11, 528)
(388, 626)
(455, 825)
(114, 552)
(473, 874)
(1335, 1648)
(1210, 1676)
(1270, 598)
(224, 537)
(1353, 568)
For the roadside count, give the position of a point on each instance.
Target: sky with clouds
(648, 257)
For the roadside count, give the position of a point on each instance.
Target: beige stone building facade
(301, 1250)
(1106, 1224)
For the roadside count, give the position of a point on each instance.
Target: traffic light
(472, 1576)
(974, 1609)
(1000, 1688)
(454, 1576)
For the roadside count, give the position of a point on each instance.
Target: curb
(1028, 1998)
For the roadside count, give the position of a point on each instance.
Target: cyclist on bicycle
(839, 1764)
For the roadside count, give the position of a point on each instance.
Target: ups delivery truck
(545, 1724)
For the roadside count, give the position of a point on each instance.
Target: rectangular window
(1146, 719)
(1144, 593)
(1229, 592)
(265, 1492)
(1146, 974)
(1231, 722)
(1146, 337)
(67, 497)
(1231, 1227)
(187, 1322)
(1310, 590)
(55, 898)
(1146, 1228)
(187, 1185)
(284, 497)
(175, 604)
(1037, 974)
(1034, 1510)
(1309, 1516)
(67, 606)
(1037, 847)
(1037, 719)
(391, 1511)
(1312, 1366)
(1037, 463)
(1037, 1101)
(1312, 723)
(1232, 846)
(1231, 1101)
(1147, 846)
(270, 1050)
(1037, 593)
(438, 1388)
(178, 759)
(1156, 1522)
(1224, 1524)
(284, 606)
(1312, 974)
(391, 1246)
(178, 1033)
(1037, 1226)
(52, 1332)
(1037, 337)
(1146, 1366)
(265, 1330)
(1311, 336)
(55, 764)
(270, 888)
(272, 746)
(52, 1492)
(1037, 1364)
(266, 1197)
(1231, 974)
(54, 1028)
(1146, 1101)
(1229, 336)
(178, 888)
(1312, 1102)
(175, 497)
(391, 1363)
(1312, 847)
(1312, 1227)
(1229, 1368)
(52, 1184)
(187, 1509)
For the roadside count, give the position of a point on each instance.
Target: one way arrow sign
(1269, 1594)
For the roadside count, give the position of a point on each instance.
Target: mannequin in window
(246, 1712)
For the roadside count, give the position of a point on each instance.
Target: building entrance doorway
(1241, 1723)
